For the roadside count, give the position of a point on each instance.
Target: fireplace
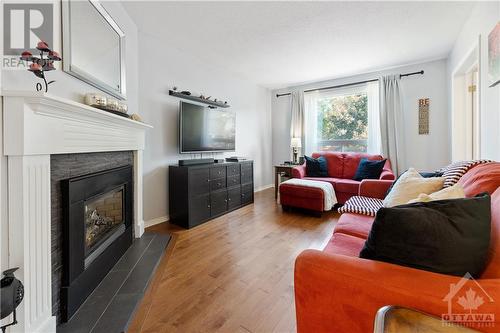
(97, 230)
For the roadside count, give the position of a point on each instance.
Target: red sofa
(342, 168)
(336, 291)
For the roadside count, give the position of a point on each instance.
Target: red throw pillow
(481, 178)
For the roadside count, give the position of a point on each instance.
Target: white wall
(482, 20)
(163, 65)
(424, 152)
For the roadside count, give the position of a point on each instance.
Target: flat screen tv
(203, 129)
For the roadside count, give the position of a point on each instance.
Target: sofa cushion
(453, 192)
(347, 186)
(409, 186)
(335, 162)
(446, 236)
(369, 169)
(351, 162)
(354, 225)
(481, 178)
(316, 167)
(344, 244)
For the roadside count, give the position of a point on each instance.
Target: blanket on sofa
(329, 196)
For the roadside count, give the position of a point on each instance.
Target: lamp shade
(296, 143)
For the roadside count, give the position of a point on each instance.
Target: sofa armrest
(387, 175)
(336, 293)
(299, 171)
(374, 188)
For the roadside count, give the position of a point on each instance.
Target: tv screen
(203, 129)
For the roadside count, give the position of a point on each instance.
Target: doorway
(466, 116)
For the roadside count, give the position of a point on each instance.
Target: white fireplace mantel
(36, 125)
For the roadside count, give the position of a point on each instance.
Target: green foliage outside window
(343, 122)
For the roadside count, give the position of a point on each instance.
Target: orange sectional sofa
(336, 291)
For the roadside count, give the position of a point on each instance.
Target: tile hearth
(112, 304)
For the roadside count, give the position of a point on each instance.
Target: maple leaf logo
(471, 301)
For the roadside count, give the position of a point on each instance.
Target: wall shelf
(197, 99)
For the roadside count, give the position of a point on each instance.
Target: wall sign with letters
(423, 116)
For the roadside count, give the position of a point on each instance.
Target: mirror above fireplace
(96, 61)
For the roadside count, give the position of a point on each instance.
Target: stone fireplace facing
(92, 201)
(39, 130)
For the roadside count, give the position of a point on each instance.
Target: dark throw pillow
(368, 169)
(445, 236)
(316, 167)
(423, 174)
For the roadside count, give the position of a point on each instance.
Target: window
(344, 120)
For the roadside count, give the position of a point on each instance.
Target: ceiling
(278, 44)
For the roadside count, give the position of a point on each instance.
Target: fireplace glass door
(104, 217)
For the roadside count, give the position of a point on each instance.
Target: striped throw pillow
(453, 172)
(361, 205)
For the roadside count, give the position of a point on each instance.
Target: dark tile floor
(112, 304)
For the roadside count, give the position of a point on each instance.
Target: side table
(279, 171)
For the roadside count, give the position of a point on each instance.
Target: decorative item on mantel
(107, 104)
(42, 63)
(201, 98)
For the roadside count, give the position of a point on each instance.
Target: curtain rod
(351, 84)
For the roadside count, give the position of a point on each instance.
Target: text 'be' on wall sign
(423, 116)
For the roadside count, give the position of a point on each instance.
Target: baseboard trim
(155, 221)
(264, 187)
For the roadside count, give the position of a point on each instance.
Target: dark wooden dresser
(198, 193)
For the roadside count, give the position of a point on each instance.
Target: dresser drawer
(217, 184)
(233, 170)
(218, 202)
(246, 173)
(233, 197)
(198, 182)
(233, 181)
(218, 172)
(199, 208)
(246, 197)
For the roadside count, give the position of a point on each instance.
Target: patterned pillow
(453, 172)
(361, 205)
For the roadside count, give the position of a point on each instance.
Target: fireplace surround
(97, 231)
(37, 125)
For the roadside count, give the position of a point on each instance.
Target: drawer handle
(243, 195)
(229, 199)
(208, 206)
(208, 180)
(225, 200)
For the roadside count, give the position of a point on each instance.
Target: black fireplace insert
(97, 231)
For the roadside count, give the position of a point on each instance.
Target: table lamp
(296, 144)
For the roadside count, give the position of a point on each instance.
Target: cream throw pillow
(453, 192)
(409, 186)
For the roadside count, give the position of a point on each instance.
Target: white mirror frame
(80, 73)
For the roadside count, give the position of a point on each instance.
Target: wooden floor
(232, 274)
